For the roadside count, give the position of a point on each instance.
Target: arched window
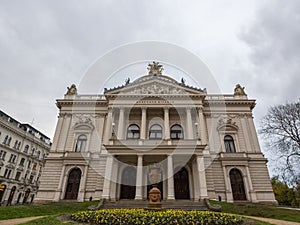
(176, 132)
(80, 143)
(26, 148)
(9, 140)
(229, 144)
(38, 154)
(133, 132)
(155, 132)
(5, 139)
(22, 162)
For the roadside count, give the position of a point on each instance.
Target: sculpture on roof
(72, 90)
(238, 90)
(155, 69)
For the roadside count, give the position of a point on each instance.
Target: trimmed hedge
(152, 217)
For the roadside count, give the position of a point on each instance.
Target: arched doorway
(128, 183)
(11, 195)
(19, 198)
(181, 184)
(237, 185)
(73, 184)
(2, 190)
(27, 192)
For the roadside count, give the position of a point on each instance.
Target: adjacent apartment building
(23, 150)
(205, 145)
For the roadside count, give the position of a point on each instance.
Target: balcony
(134, 146)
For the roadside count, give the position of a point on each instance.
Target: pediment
(155, 86)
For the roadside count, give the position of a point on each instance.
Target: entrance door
(73, 184)
(237, 185)
(181, 184)
(27, 192)
(2, 190)
(11, 195)
(128, 183)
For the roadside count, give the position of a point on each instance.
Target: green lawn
(21, 211)
(56, 209)
(260, 211)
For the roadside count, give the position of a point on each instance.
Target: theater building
(205, 145)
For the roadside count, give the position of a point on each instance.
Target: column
(108, 126)
(82, 184)
(189, 126)
(143, 123)
(171, 195)
(202, 177)
(167, 123)
(58, 191)
(139, 178)
(57, 132)
(120, 133)
(246, 135)
(202, 126)
(251, 191)
(107, 178)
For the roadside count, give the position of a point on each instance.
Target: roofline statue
(155, 69)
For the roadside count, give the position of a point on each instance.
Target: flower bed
(161, 217)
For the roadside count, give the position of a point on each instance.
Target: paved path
(273, 221)
(18, 220)
(269, 220)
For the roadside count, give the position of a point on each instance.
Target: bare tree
(281, 130)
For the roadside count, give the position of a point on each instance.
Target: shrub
(161, 217)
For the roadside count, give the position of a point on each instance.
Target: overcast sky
(46, 46)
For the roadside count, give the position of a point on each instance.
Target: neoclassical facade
(205, 145)
(22, 156)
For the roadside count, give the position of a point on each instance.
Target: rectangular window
(34, 166)
(31, 179)
(2, 154)
(22, 162)
(18, 176)
(12, 158)
(7, 173)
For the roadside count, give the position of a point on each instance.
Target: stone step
(176, 204)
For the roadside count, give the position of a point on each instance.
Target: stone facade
(205, 145)
(22, 156)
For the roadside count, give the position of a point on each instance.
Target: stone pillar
(171, 195)
(59, 191)
(246, 135)
(57, 133)
(167, 123)
(107, 178)
(82, 184)
(202, 178)
(251, 191)
(139, 178)
(202, 126)
(108, 126)
(229, 197)
(189, 126)
(143, 123)
(121, 131)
